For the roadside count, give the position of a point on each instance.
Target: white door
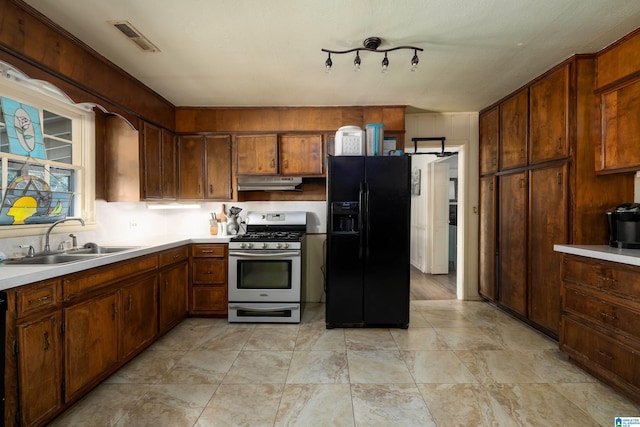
(438, 217)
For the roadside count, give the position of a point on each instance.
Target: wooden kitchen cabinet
(122, 160)
(514, 117)
(173, 287)
(548, 110)
(205, 167)
(619, 109)
(512, 241)
(288, 154)
(159, 166)
(489, 124)
(600, 320)
(548, 204)
(301, 155)
(487, 237)
(90, 342)
(139, 314)
(208, 287)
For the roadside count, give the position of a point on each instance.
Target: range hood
(269, 183)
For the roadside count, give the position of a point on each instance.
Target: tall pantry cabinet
(544, 190)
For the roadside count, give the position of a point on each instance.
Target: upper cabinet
(620, 139)
(548, 116)
(489, 133)
(618, 89)
(122, 161)
(158, 171)
(514, 116)
(288, 154)
(205, 167)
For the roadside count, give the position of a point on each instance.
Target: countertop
(12, 276)
(602, 252)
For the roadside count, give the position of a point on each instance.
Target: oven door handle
(279, 308)
(265, 255)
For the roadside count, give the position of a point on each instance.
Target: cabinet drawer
(217, 251)
(602, 311)
(209, 271)
(603, 276)
(37, 296)
(602, 351)
(209, 299)
(90, 280)
(173, 255)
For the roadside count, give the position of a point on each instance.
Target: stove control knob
(285, 245)
(264, 245)
(243, 245)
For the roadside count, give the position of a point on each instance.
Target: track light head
(372, 44)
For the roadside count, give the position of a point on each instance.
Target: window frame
(16, 85)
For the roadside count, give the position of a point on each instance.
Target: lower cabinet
(173, 287)
(90, 343)
(600, 320)
(40, 367)
(208, 289)
(138, 315)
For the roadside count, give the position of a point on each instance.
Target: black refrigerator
(367, 251)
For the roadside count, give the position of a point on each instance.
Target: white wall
(461, 131)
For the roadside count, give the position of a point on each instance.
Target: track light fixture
(371, 44)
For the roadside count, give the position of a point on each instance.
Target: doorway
(434, 226)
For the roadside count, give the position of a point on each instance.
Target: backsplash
(132, 223)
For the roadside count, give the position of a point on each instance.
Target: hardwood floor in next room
(432, 286)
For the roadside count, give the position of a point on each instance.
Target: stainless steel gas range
(267, 268)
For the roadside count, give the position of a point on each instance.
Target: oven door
(264, 275)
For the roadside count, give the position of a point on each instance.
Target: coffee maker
(624, 226)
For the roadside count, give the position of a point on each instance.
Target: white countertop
(602, 252)
(16, 275)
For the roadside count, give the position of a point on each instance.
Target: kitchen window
(46, 155)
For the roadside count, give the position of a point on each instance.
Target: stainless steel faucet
(47, 248)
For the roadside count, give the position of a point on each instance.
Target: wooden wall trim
(28, 38)
(286, 119)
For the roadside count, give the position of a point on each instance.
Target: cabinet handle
(286, 163)
(521, 182)
(198, 191)
(130, 302)
(38, 300)
(273, 163)
(176, 256)
(559, 145)
(166, 284)
(114, 312)
(210, 189)
(210, 251)
(559, 178)
(208, 272)
(607, 316)
(522, 156)
(605, 355)
(494, 161)
(47, 341)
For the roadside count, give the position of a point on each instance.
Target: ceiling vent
(134, 35)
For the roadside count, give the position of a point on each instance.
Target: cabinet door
(173, 288)
(90, 342)
(300, 155)
(191, 169)
(489, 128)
(256, 155)
(549, 225)
(513, 242)
(208, 286)
(513, 130)
(139, 315)
(152, 161)
(548, 116)
(40, 368)
(122, 164)
(620, 110)
(218, 167)
(487, 237)
(169, 165)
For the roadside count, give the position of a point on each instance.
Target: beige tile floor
(458, 364)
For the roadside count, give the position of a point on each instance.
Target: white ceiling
(268, 52)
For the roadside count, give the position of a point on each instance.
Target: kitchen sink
(73, 255)
(50, 259)
(95, 249)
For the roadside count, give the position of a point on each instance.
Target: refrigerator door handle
(366, 219)
(361, 203)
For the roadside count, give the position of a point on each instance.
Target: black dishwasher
(3, 321)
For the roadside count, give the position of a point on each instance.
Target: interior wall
(461, 131)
